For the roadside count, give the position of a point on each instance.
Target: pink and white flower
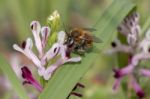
(40, 40)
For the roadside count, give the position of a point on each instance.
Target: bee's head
(69, 41)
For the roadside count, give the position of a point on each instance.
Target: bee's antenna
(65, 28)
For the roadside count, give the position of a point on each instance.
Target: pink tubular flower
(138, 49)
(130, 70)
(27, 75)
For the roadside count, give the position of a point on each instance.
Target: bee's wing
(65, 28)
(96, 39)
(89, 29)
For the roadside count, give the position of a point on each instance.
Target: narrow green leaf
(20, 20)
(68, 75)
(16, 84)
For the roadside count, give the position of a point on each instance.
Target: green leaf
(145, 26)
(16, 84)
(20, 20)
(68, 75)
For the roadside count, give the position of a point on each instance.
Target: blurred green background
(15, 18)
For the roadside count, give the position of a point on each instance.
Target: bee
(80, 40)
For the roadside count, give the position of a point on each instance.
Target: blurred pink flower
(136, 49)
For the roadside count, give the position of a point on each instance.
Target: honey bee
(80, 40)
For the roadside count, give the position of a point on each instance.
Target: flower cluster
(137, 48)
(58, 52)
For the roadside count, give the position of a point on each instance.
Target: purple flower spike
(27, 75)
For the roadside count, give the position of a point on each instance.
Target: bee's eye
(70, 41)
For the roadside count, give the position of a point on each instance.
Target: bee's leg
(81, 51)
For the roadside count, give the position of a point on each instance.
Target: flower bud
(54, 23)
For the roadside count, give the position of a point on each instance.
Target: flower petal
(136, 17)
(63, 52)
(116, 84)
(50, 70)
(145, 72)
(45, 32)
(47, 75)
(124, 71)
(117, 46)
(34, 58)
(17, 48)
(27, 51)
(27, 75)
(36, 27)
(61, 37)
(130, 25)
(137, 88)
(140, 56)
(41, 71)
(132, 39)
(145, 45)
(52, 52)
(75, 59)
(29, 44)
(123, 29)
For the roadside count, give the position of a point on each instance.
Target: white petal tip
(45, 31)
(76, 59)
(17, 48)
(47, 77)
(35, 26)
(34, 22)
